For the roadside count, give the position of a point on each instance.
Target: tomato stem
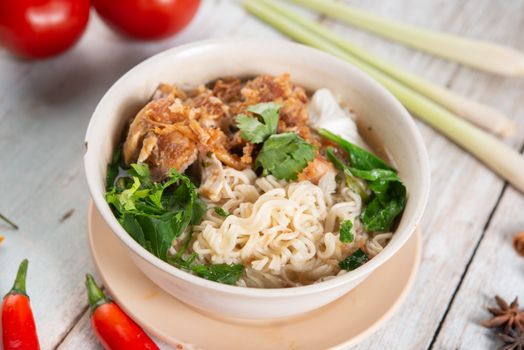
(94, 294)
(19, 285)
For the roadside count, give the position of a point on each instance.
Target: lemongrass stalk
(482, 115)
(499, 157)
(482, 55)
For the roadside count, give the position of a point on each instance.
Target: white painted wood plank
(82, 337)
(463, 194)
(495, 269)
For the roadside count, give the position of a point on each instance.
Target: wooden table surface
(467, 229)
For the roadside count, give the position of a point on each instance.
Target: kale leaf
(359, 158)
(285, 155)
(388, 193)
(357, 185)
(223, 273)
(380, 213)
(251, 129)
(354, 261)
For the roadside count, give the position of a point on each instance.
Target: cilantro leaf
(251, 129)
(354, 261)
(346, 235)
(221, 212)
(285, 155)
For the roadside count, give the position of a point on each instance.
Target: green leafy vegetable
(178, 259)
(352, 181)
(346, 235)
(222, 273)
(113, 169)
(380, 213)
(154, 214)
(251, 129)
(359, 158)
(354, 261)
(388, 197)
(285, 155)
(153, 218)
(221, 212)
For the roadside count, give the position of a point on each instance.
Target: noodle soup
(253, 183)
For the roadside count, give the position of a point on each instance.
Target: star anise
(513, 340)
(507, 316)
(518, 243)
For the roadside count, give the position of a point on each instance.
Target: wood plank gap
(466, 269)
(73, 324)
(470, 261)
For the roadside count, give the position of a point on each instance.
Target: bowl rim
(90, 166)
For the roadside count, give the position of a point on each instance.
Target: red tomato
(147, 19)
(41, 28)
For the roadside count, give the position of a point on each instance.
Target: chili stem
(94, 294)
(19, 285)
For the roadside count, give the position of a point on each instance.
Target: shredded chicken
(176, 126)
(294, 111)
(214, 185)
(316, 169)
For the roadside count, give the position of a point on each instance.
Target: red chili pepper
(114, 329)
(18, 324)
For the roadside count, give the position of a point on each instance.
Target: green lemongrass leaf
(483, 115)
(479, 54)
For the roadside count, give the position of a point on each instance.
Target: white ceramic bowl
(190, 65)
